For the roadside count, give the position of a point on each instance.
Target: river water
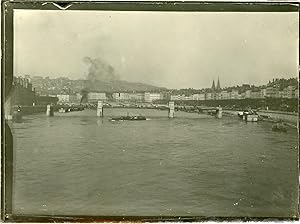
(78, 164)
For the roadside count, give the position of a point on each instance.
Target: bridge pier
(8, 109)
(219, 112)
(100, 109)
(171, 110)
(50, 110)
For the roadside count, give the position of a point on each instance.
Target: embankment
(26, 110)
(272, 116)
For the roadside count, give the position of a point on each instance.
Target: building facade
(94, 97)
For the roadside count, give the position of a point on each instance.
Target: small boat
(251, 116)
(62, 110)
(240, 114)
(129, 118)
(279, 127)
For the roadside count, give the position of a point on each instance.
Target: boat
(129, 118)
(241, 114)
(250, 115)
(62, 110)
(279, 127)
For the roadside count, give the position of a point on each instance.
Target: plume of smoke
(84, 98)
(100, 70)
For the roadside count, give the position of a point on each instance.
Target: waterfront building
(78, 97)
(202, 96)
(199, 96)
(218, 96)
(256, 95)
(73, 99)
(281, 94)
(120, 96)
(263, 92)
(272, 92)
(296, 93)
(225, 95)
(66, 98)
(95, 96)
(137, 97)
(177, 97)
(45, 100)
(63, 98)
(289, 92)
(242, 95)
(195, 96)
(188, 97)
(234, 94)
(209, 96)
(147, 97)
(248, 93)
(150, 97)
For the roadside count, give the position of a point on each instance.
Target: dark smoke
(84, 98)
(100, 70)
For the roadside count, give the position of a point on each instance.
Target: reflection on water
(76, 163)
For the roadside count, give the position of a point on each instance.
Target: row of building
(139, 97)
(93, 97)
(271, 92)
(288, 92)
(214, 93)
(245, 92)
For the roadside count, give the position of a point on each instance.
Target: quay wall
(278, 115)
(288, 117)
(275, 104)
(26, 110)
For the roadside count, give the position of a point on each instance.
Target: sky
(167, 49)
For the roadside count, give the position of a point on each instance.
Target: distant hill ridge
(119, 86)
(47, 86)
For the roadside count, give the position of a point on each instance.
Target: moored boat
(251, 116)
(129, 118)
(62, 110)
(279, 127)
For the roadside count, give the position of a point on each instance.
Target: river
(78, 164)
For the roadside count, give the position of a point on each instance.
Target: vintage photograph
(154, 113)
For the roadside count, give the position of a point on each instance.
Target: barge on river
(129, 118)
(251, 116)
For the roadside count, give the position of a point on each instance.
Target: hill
(47, 86)
(119, 86)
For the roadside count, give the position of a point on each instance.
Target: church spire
(213, 87)
(218, 85)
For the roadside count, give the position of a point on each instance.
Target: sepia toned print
(153, 113)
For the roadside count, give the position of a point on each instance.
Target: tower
(218, 85)
(213, 87)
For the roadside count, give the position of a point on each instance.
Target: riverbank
(27, 110)
(290, 119)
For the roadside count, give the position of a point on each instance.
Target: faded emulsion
(127, 111)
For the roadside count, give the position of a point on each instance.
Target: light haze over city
(168, 49)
